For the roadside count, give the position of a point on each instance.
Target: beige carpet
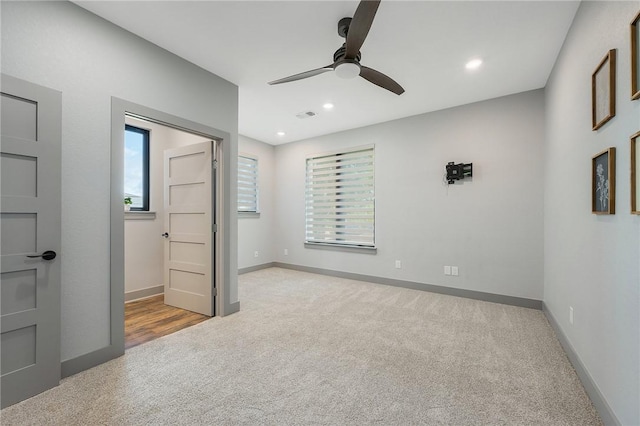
(309, 349)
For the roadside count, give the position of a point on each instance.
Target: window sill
(343, 248)
(249, 214)
(136, 215)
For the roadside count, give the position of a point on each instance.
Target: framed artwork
(635, 57)
(603, 91)
(635, 173)
(603, 182)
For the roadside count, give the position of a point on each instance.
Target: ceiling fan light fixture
(346, 60)
(348, 70)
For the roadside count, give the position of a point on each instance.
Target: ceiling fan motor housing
(339, 54)
(343, 27)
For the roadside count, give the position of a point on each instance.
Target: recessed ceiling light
(328, 105)
(280, 133)
(473, 64)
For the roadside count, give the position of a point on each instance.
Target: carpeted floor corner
(308, 349)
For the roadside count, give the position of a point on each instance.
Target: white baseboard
(142, 293)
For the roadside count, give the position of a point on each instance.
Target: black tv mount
(458, 171)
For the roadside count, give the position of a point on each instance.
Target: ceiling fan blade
(302, 75)
(379, 79)
(359, 26)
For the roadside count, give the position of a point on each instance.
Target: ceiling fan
(346, 60)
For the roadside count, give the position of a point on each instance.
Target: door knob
(166, 235)
(47, 255)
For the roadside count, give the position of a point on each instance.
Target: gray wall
(256, 232)
(490, 226)
(59, 45)
(591, 262)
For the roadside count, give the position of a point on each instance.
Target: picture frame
(603, 91)
(635, 173)
(635, 57)
(603, 182)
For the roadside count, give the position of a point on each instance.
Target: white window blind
(247, 184)
(340, 199)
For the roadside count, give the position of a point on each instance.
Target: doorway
(158, 297)
(219, 228)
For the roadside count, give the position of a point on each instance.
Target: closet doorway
(169, 188)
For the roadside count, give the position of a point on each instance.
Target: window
(340, 199)
(136, 167)
(247, 184)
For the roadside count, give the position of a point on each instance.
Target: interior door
(189, 229)
(30, 234)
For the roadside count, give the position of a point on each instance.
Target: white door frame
(222, 261)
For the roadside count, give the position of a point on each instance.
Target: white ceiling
(423, 45)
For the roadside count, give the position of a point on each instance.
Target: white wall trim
(139, 215)
(143, 293)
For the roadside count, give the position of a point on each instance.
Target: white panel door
(30, 234)
(188, 210)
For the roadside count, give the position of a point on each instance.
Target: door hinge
(214, 164)
(214, 227)
(214, 292)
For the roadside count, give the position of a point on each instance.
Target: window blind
(340, 199)
(247, 184)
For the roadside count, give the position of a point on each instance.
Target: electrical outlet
(286, 252)
(571, 315)
(255, 253)
(398, 264)
(447, 270)
(454, 271)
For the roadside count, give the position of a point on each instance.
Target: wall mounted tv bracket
(458, 171)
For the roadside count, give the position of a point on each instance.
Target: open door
(30, 227)
(189, 173)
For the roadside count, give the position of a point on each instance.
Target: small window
(247, 184)
(136, 167)
(340, 199)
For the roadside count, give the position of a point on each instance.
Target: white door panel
(188, 189)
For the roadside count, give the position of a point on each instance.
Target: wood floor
(150, 318)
